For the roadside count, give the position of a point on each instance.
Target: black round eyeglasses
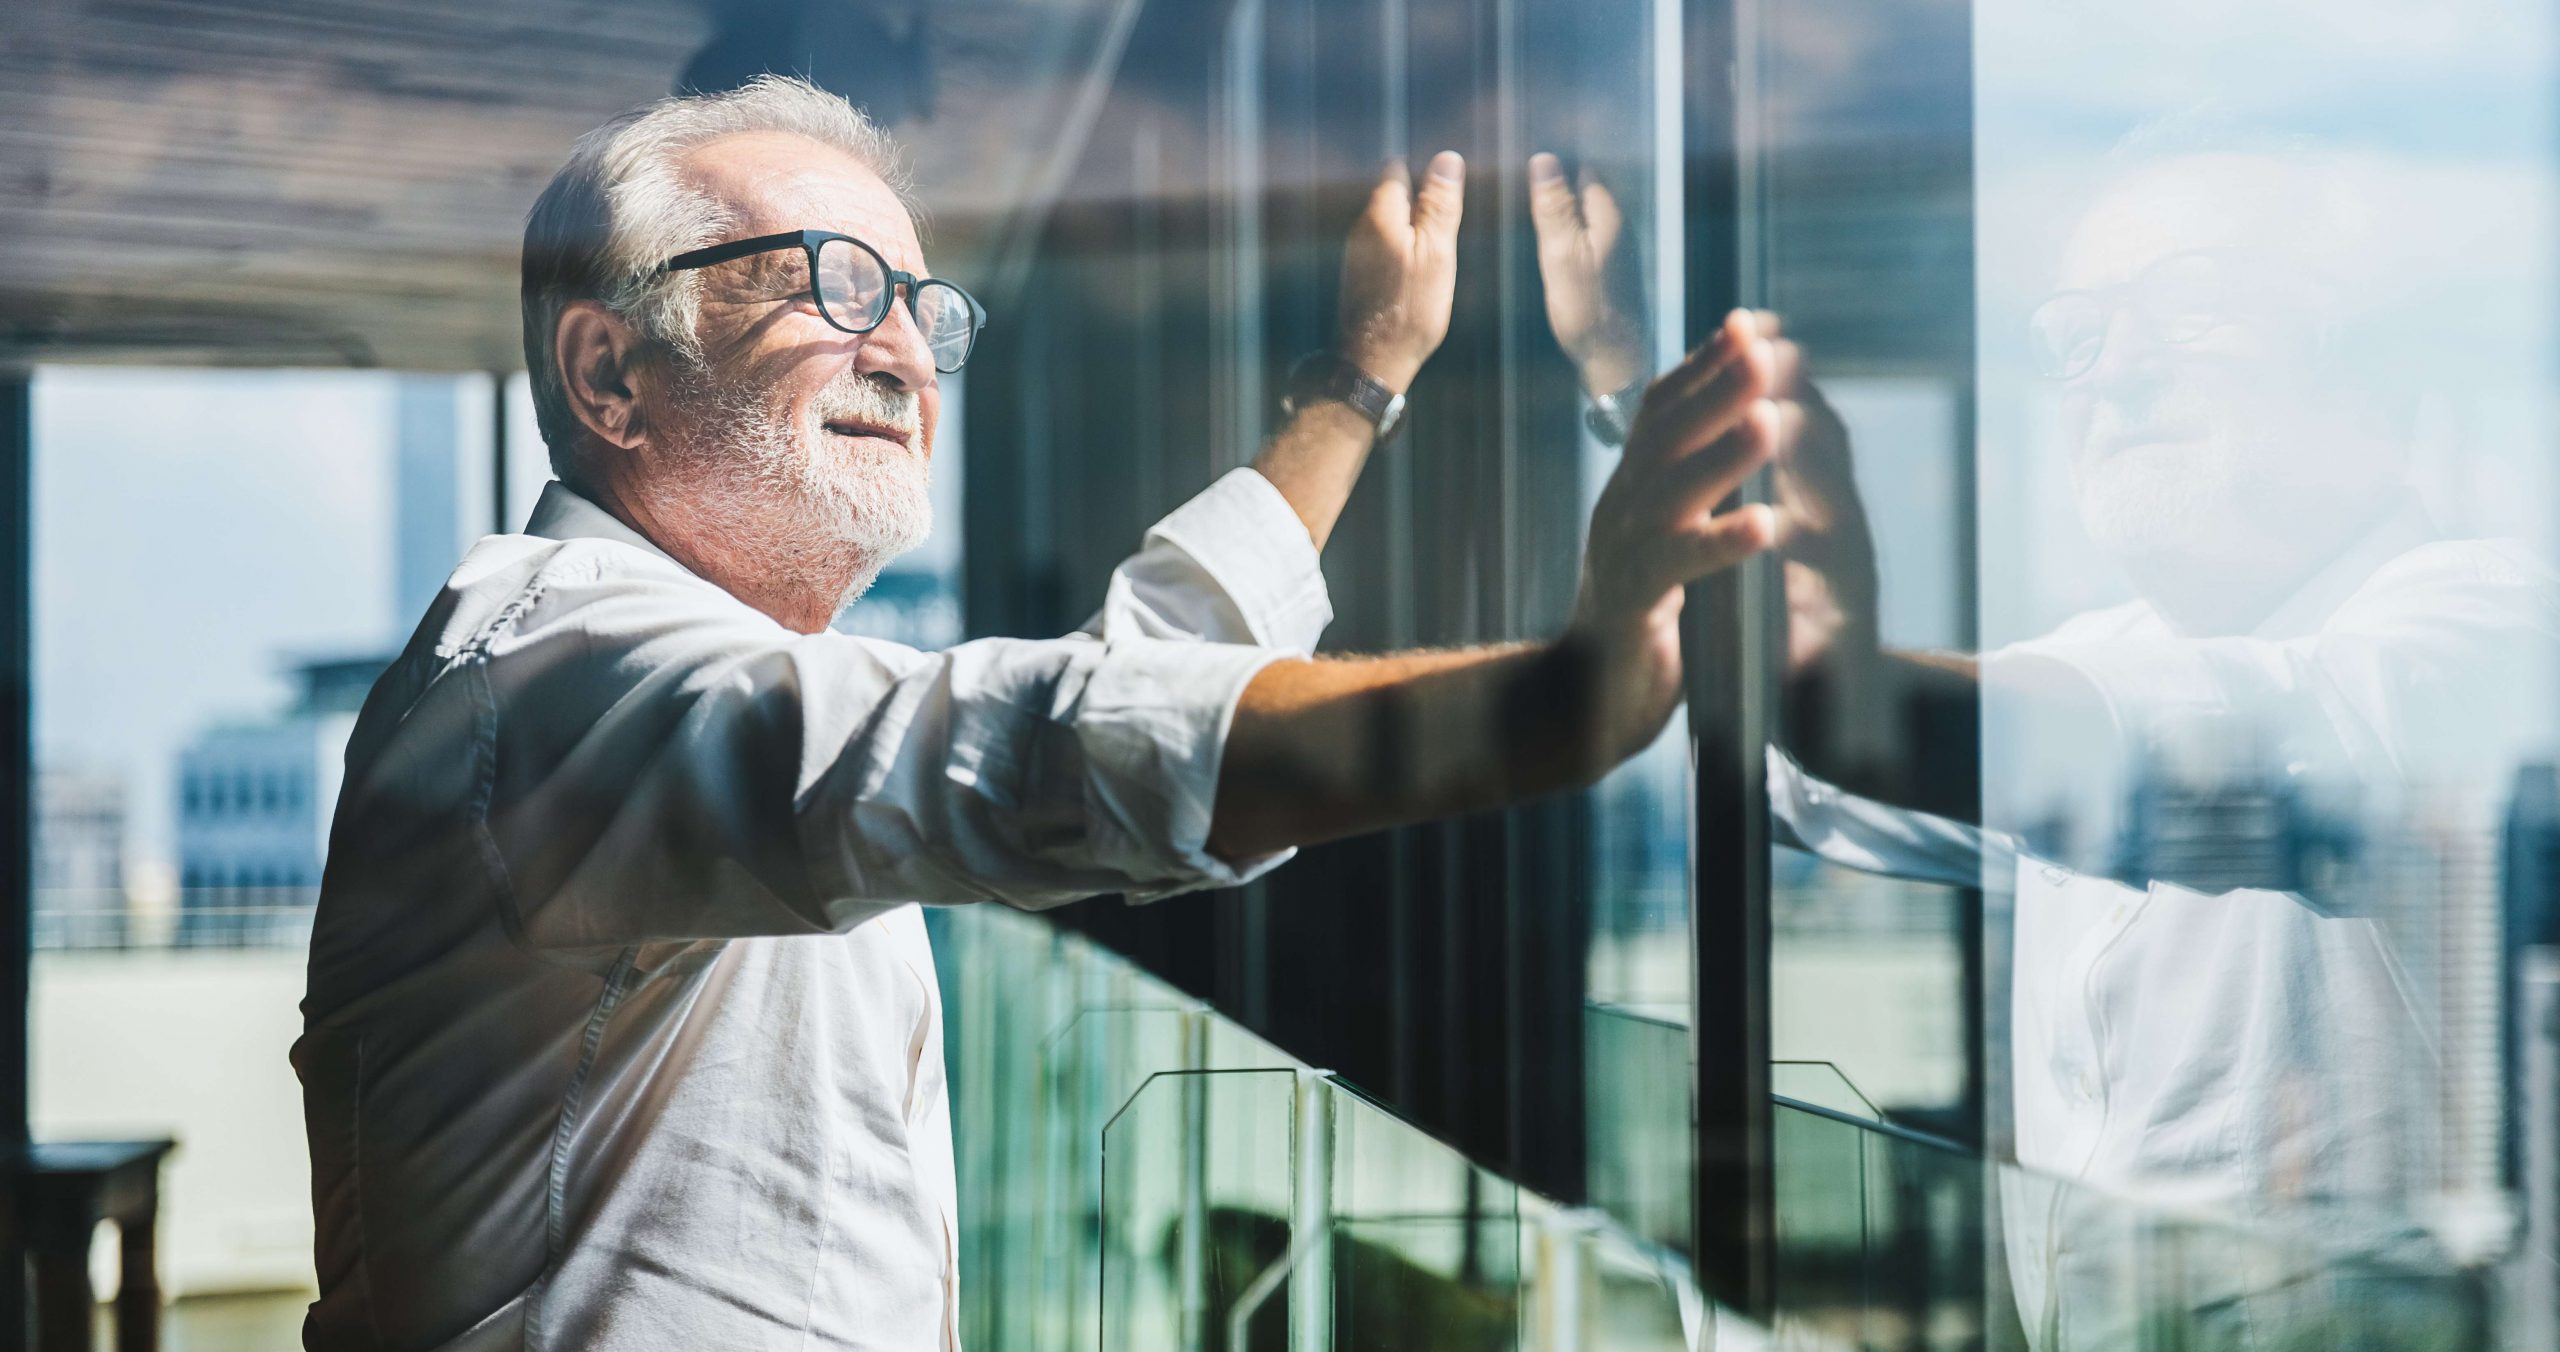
(854, 287)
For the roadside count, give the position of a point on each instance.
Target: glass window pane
(2169, 699)
(196, 675)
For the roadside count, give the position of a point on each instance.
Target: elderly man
(622, 1028)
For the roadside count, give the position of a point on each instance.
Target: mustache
(855, 397)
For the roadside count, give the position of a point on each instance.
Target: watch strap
(1320, 376)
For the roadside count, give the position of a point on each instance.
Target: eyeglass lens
(2178, 300)
(855, 288)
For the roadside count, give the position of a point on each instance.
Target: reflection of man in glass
(2246, 821)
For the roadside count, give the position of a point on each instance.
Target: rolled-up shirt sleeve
(1031, 772)
(661, 763)
(1232, 565)
(1842, 828)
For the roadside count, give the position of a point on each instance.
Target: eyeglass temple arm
(736, 248)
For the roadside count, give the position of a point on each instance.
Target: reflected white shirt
(2251, 1050)
(622, 1030)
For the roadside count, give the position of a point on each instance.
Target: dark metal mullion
(17, 784)
(499, 454)
(1726, 652)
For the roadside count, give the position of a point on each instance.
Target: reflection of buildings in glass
(1640, 844)
(254, 801)
(2415, 868)
(2232, 822)
(79, 877)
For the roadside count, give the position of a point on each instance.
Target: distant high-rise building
(254, 801)
(79, 857)
(428, 521)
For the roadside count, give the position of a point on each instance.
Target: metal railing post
(1311, 1216)
(1192, 1270)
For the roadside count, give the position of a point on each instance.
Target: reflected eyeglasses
(2177, 300)
(854, 287)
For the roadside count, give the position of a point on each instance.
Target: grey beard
(809, 501)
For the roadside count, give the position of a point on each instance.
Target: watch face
(1606, 422)
(1321, 376)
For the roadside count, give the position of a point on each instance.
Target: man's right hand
(1702, 430)
(1336, 746)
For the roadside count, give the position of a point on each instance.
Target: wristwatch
(1319, 376)
(1611, 415)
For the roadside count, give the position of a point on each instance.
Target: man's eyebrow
(786, 269)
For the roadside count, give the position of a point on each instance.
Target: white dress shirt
(2251, 1052)
(622, 1030)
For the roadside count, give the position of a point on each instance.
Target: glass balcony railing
(1138, 1172)
(1890, 1239)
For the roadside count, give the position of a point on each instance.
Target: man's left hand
(1588, 277)
(1400, 271)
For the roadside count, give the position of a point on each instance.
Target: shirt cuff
(1153, 724)
(1857, 833)
(1243, 533)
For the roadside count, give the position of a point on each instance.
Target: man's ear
(598, 353)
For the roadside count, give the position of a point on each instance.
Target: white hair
(620, 207)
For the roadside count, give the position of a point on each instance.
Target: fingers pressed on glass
(1392, 200)
(1711, 542)
(1676, 421)
(1703, 479)
(1443, 197)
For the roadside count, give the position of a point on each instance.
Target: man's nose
(2128, 355)
(895, 350)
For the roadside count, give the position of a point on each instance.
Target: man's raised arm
(1334, 747)
(1399, 277)
(1239, 562)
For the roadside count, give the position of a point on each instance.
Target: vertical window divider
(499, 517)
(17, 773)
(1726, 654)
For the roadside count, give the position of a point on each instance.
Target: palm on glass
(1588, 277)
(1703, 428)
(1400, 270)
(1822, 533)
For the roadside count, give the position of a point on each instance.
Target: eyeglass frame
(2123, 298)
(809, 242)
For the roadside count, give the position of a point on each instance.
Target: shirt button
(2088, 1087)
(2056, 874)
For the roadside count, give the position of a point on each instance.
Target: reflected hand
(1400, 271)
(1830, 570)
(1703, 428)
(1584, 273)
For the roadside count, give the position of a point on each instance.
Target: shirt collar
(2319, 597)
(561, 513)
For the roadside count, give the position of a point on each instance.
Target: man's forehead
(2204, 201)
(777, 181)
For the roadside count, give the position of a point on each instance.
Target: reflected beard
(2191, 492)
(807, 500)
(2204, 524)
(2152, 502)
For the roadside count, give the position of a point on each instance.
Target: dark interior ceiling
(344, 182)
